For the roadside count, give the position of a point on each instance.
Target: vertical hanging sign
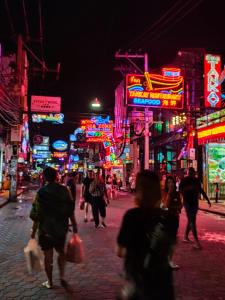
(212, 88)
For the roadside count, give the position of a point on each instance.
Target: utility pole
(148, 114)
(15, 132)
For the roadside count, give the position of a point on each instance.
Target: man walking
(51, 211)
(190, 188)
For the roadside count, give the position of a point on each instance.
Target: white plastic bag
(34, 256)
(75, 250)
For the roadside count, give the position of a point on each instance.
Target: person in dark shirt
(86, 194)
(172, 204)
(190, 188)
(71, 184)
(51, 211)
(143, 242)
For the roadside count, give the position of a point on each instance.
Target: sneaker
(104, 225)
(92, 220)
(47, 285)
(197, 246)
(99, 226)
(85, 220)
(186, 240)
(173, 265)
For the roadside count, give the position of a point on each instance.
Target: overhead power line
(26, 21)
(10, 19)
(149, 29)
(164, 21)
(41, 30)
(162, 32)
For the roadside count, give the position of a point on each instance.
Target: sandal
(47, 285)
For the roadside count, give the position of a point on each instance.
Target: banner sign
(154, 90)
(54, 118)
(45, 104)
(212, 72)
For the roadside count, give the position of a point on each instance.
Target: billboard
(216, 162)
(212, 89)
(45, 104)
(155, 90)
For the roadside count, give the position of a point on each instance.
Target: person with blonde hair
(144, 244)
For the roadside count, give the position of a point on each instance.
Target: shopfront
(211, 137)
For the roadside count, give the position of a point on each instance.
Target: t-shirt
(136, 226)
(190, 188)
(72, 186)
(51, 210)
(136, 223)
(86, 182)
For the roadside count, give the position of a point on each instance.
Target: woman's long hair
(148, 192)
(170, 177)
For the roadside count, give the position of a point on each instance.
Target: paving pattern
(201, 276)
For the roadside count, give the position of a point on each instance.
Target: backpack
(159, 244)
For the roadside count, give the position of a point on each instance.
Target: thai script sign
(212, 88)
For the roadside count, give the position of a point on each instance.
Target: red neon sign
(212, 68)
(155, 90)
(211, 133)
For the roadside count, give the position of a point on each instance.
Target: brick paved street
(201, 276)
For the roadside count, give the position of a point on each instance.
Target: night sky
(84, 36)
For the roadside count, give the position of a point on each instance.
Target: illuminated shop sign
(41, 147)
(212, 72)
(60, 145)
(97, 129)
(154, 90)
(54, 118)
(212, 132)
(214, 118)
(60, 154)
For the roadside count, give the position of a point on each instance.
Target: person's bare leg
(61, 262)
(48, 261)
(86, 211)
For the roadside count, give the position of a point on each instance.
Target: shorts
(191, 212)
(108, 186)
(47, 242)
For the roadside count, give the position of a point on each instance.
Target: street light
(96, 103)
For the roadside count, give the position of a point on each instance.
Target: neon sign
(54, 118)
(60, 145)
(211, 132)
(212, 67)
(60, 154)
(155, 90)
(97, 129)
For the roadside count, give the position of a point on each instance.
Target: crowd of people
(148, 233)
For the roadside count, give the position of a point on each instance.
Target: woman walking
(173, 205)
(144, 244)
(98, 192)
